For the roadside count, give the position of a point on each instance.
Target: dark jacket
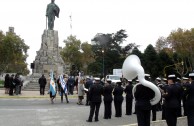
(172, 96)
(71, 82)
(7, 81)
(107, 93)
(95, 92)
(118, 93)
(143, 95)
(190, 95)
(42, 81)
(128, 91)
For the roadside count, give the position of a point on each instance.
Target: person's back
(96, 91)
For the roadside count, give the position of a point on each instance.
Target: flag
(52, 85)
(63, 84)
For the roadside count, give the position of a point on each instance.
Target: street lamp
(103, 64)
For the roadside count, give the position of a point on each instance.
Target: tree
(150, 63)
(13, 53)
(77, 54)
(111, 45)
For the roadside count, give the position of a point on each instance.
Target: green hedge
(1, 84)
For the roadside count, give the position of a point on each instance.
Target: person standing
(143, 107)
(107, 93)
(42, 82)
(184, 98)
(118, 99)
(81, 92)
(11, 84)
(129, 97)
(190, 100)
(171, 103)
(70, 83)
(88, 84)
(95, 99)
(63, 87)
(17, 83)
(6, 84)
(52, 11)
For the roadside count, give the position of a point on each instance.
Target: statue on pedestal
(52, 11)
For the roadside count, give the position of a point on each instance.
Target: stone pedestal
(48, 57)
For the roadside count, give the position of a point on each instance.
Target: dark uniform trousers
(129, 102)
(154, 112)
(171, 116)
(190, 117)
(42, 88)
(62, 92)
(94, 106)
(143, 116)
(118, 108)
(108, 108)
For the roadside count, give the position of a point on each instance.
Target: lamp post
(103, 64)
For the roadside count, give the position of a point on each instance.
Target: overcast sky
(144, 20)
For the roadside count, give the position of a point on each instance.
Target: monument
(48, 57)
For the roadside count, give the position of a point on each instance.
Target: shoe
(105, 117)
(67, 101)
(96, 120)
(109, 117)
(88, 120)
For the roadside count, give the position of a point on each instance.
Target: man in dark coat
(42, 82)
(129, 97)
(88, 84)
(190, 100)
(71, 83)
(171, 103)
(107, 93)
(95, 99)
(11, 85)
(118, 99)
(143, 107)
(17, 83)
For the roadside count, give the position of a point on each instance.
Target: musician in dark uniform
(143, 107)
(190, 100)
(88, 84)
(165, 84)
(95, 92)
(129, 97)
(107, 93)
(118, 99)
(184, 97)
(171, 103)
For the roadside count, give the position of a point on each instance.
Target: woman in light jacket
(81, 92)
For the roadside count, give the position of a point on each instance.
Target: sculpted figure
(52, 11)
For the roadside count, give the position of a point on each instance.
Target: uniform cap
(129, 80)
(185, 78)
(147, 75)
(172, 76)
(191, 75)
(158, 78)
(97, 78)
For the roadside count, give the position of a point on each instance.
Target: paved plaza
(31, 109)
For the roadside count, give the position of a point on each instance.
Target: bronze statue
(52, 11)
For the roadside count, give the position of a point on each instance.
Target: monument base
(48, 57)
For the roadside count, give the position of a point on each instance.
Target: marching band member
(190, 100)
(118, 99)
(107, 93)
(129, 97)
(171, 103)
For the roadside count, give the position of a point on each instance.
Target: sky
(144, 20)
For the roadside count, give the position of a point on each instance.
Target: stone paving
(32, 109)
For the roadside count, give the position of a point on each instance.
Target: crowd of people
(176, 94)
(13, 84)
(173, 92)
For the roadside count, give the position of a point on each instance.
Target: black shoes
(88, 120)
(96, 120)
